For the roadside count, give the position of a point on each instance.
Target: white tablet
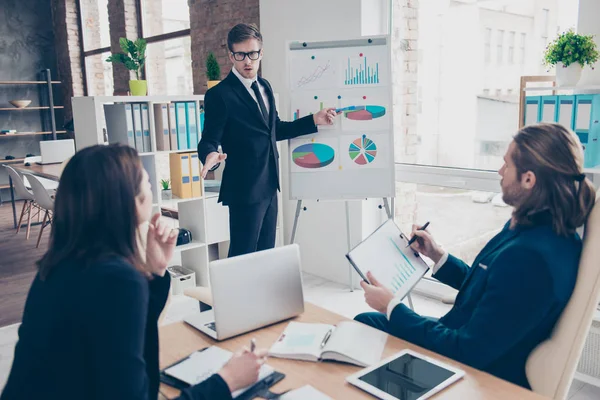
(406, 376)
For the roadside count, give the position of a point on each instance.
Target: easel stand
(389, 214)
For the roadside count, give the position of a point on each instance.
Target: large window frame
(140, 34)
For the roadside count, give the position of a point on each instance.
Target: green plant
(213, 70)
(165, 183)
(133, 56)
(569, 48)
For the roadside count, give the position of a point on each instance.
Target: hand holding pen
(423, 242)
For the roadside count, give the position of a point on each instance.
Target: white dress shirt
(248, 83)
(396, 300)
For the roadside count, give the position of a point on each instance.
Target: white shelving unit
(203, 216)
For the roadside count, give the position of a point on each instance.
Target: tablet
(405, 376)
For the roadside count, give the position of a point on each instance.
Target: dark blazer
(508, 302)
(233, 120)
(91, 333)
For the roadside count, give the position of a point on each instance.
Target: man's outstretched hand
(211, 160)
(325, 116)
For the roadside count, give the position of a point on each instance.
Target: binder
(161, 127)
(172, 127)
(181, 184)
(146, 128)
(137, 127)
(181, 126)
(119, 124)
(201, 120)
(566, 111)
(195, 174)
(548, 109)
(532, 115)
(192, 136)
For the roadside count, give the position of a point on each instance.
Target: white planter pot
(167, 194)
(568, 76)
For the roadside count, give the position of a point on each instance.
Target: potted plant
(213, 70)
(167, 194)
(570, 52)
(133, 57)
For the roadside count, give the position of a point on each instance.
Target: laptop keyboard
(211, 326)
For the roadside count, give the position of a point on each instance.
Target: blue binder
(192, 137)
(182, 143)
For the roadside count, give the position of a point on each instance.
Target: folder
(201, 120)
(181, 184)
(146, 128)
(192, 136)
(161, 127)
(119, 124)
(548, 109)
(195, 174)
(181, 126)
(137, 128)
(172, 127)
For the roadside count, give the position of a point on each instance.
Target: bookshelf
(207, 219)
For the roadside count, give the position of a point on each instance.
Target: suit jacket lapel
(241, 91)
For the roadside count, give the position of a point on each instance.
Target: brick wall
(67, 43)
(210, 21)
(122, 17)
(404, 75)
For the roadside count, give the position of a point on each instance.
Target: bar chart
(298, 115)
(404, 270)
(360, 72)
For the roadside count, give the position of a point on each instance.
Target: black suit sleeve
(215, 119)
(288, 130)
(115, 332)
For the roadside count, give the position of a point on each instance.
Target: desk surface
(49, 171)
(178, 340)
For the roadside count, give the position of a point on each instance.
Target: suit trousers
(252, 227)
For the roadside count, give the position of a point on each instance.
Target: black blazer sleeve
(288, 130)
(215, 119)
(115, 326)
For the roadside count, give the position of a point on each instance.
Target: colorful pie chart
(365, 113)
(363, 150)
(313, 155)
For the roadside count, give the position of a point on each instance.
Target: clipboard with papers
(386, 254)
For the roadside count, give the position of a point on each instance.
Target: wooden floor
(17, 264)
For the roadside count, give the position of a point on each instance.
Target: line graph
(316, 74)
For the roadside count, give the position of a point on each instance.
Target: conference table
(49, 171)
(178, 340)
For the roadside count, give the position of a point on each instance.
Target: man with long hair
(516, 289)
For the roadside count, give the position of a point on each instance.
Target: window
(523, 44)
(498, 92)
(169, 67)
(500, 47)
(95, 50)
(511, 47)
(486, 92)
(487, 43)
(165, 16)
(166, 28)
(544, 24)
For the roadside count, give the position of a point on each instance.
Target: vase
(211, 84)
(138, 88)
(167, 194)
(568, 76)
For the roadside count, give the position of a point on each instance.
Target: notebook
(305, 392)
(202, 364)
(350, 342)
(386, 254)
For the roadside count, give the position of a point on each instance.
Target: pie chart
(365, 113)
(363, 150)
(313, 155)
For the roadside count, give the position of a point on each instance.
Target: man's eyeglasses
(241, 56)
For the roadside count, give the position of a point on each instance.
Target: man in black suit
(240, 116)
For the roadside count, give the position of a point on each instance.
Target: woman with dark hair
(89, 329)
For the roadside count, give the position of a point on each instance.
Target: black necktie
(261, 102)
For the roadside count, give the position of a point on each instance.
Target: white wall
(322, 228)
(587, 24)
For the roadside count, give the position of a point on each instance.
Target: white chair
(43, 200)
(22, 192)
(551, 365)
(47, 183)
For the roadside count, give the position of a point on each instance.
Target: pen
(415, 237)
(252, 345)
(326, 338)
(349, 108)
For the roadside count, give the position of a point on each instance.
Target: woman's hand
(160, 243)
(242, 369)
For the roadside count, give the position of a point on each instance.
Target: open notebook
(349, 342)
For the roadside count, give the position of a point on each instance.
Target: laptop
(56, 151)
(252, 291)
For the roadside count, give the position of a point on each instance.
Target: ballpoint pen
(326, 338)
(415, 237)
(252, 345)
